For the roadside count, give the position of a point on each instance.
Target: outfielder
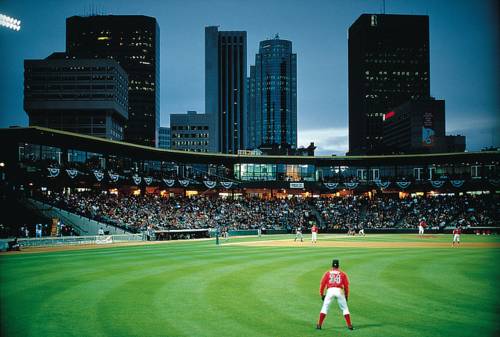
(298, 233)
(337, 285)
(314, 233)
(456, 236)
(421, 225)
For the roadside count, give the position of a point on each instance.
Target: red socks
(321, 318)
(348, 319)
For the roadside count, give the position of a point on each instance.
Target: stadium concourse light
(7, 21)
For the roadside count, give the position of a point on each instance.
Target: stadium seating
(137, 212)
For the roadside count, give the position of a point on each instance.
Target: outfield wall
(77, 240)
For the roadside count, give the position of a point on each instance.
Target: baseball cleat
(318, 326)
(350, 327)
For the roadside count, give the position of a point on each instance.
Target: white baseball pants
(338, 294)
(314, 236)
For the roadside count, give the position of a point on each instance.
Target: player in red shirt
(456, 236)
(336, 284)
(421, 226)
(314, 233)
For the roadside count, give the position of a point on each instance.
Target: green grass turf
(199, 289)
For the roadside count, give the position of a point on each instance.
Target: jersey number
(335, 278)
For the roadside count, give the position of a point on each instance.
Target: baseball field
(401, 285)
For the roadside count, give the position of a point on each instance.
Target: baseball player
(337, 285)
(421, 225)
(456, 236)
(298, 233)
(361, 231)
(314, 233)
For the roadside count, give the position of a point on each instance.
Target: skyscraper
(87, 96)
(388, 65)
(272, 91)
(132, 41)
(225, 83)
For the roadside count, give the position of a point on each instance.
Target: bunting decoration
(382, 184)
(437, 183)
(169, 182)
(209, 184)
(351, 185)
(226, 184)
(148, 180)
(113, 177)
(53, 172)
(98, 175)
(184, 183)
(72, 173)
(137, 179)
(331, 186)
(403, 184)
(457, 183)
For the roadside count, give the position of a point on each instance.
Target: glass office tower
(272, 90)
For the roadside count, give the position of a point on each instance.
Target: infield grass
(195, 288)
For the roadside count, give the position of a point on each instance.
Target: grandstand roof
(69, 140)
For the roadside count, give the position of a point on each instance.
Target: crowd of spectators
(139, 212)
(384, 212)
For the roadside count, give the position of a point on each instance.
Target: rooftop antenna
(383, 6)
(277, 36)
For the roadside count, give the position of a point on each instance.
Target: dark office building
(190, 132)
(225, 84)
(133, 41)
(272, 93)
(388, 65)
(419, 127)
(87, 96)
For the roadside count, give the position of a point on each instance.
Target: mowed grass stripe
(66, 273)
(214, 285)
(273, 303)
(178, 294)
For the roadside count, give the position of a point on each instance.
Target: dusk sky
(464, 48)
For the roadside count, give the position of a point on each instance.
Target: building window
(361, 174)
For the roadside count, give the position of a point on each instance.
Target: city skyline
(462, 50)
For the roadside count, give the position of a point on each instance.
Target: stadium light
(7, 21)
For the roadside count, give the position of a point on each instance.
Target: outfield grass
(199, 289)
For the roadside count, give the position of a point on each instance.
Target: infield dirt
(367, 244)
